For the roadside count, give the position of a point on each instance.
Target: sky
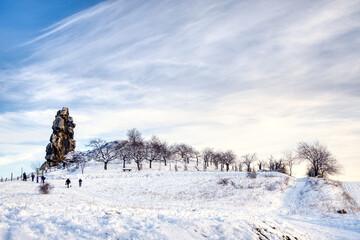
(251, 76)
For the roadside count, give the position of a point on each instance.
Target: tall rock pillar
(62, 139)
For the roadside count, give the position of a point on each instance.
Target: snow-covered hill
(164, 204)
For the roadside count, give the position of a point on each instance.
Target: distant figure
(80, 182)
(24, 177)
(43, 179)
(67, 182)
(32, 177)
(37, 179)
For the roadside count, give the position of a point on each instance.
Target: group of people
(67, 182)
(33, 177)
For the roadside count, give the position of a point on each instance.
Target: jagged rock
(62, 139)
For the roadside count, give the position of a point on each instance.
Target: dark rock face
(62, 139)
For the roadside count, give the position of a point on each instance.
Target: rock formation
(62, 139)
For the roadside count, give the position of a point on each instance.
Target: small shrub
(223, 181)
(271, 187)
(269, 175)
(45, 188)
(251, 174)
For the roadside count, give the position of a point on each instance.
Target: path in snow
(292, 197)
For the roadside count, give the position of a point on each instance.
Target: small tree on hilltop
(228, 158)
(138, 150)
(290, 160)
(248, 159)
(166, 152)
(123, 151)
(207, 154)
(79, 158)
(153, 150)
(320, 160)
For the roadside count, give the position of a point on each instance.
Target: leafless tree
(320, 159)
(290, 160)
(123, 151)
(207, 154)
(228, 158)
(184, 151)
(138, 150)
(153, 149)
(216, 159)
(197, 155)
(102, 151)
(79, 159)
(35, 165)
(261, 164)
(271, 163)
(166, 151)
(248, 159)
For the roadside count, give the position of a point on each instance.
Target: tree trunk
(150, 163)
(105, 165)
(138, 165)
(123, 163)
(165, 161)
(227, 167)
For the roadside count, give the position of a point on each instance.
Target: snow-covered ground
(163, 204)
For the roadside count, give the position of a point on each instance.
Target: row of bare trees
(135, 148)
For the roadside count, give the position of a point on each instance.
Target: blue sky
(252, 76)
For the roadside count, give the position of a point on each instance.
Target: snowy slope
(154, 204)
(353, 189)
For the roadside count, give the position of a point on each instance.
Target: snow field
(154, 204)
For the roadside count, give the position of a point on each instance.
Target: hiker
(67, 182)
(43, 179)
(37, 178)
(24, 177)
(80, 182)
(32, 177)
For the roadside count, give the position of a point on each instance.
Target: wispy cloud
(252, 76)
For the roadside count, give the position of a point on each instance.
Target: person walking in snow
(43, 179)
(32, 177)
(24, 177)
(67, 182)
(80, 182)
(37, 179)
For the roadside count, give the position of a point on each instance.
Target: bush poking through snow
(45, 188)
(251, 174)
(223, 181)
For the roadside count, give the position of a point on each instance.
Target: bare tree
(185, 152)
(248, 159)
(102, 151)
(290, 160)
(197, 155)
(166, 151)
(138, 150)
(207, 154)
(153, 149)
(271, 163)
(79, 159)
(35, 165)
(261, 164)
(228, 158)
(123, 151)
(320, 159)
